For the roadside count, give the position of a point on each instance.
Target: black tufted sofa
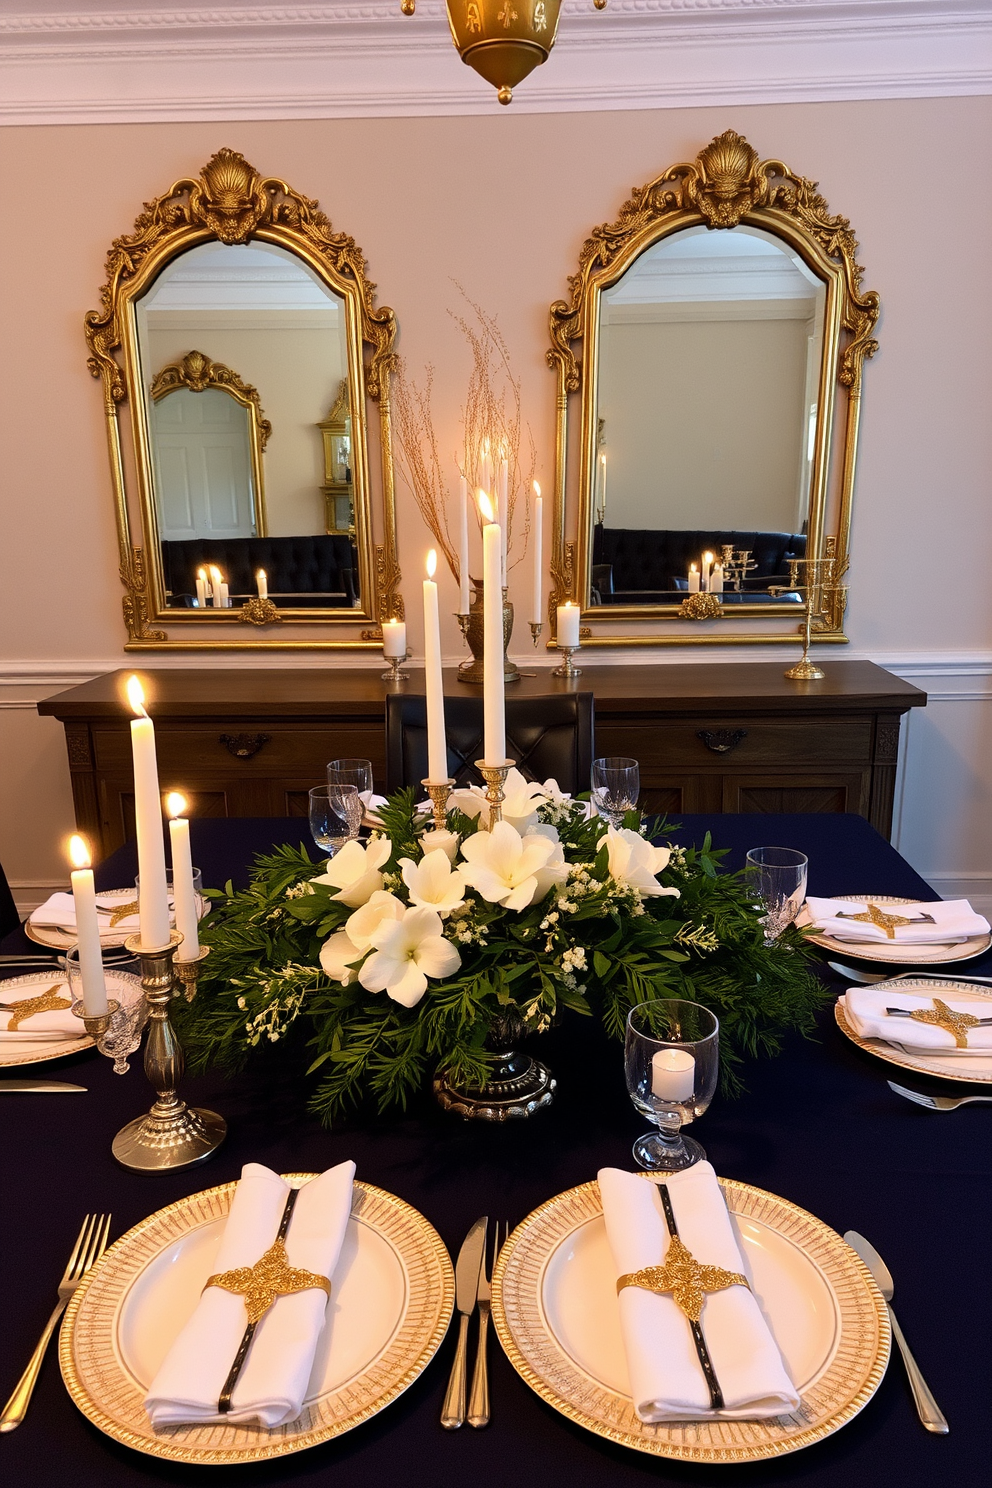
(318, 570)
(632, 566)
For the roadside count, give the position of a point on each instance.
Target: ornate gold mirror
(241, 332)
(713, 344)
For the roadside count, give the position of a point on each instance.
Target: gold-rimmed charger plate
(973, 1069)
(895, 955)
(554, 1307)
(63, 937)
(390, 1308)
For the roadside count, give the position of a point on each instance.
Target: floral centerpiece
(401, 954)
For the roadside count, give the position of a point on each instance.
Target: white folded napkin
(666, 1379)
(865, 1008)
(56, 1024)
(954, 920)
(60, 910)
(273, 1381)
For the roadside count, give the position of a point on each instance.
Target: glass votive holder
(671, 1063)
(128, 1009)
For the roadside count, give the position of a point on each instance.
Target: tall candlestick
(437, 753)
(503, 516)
(201, 589)
(693, 579)
(394, 639)
(537, 525)
(183, 893)
(464, 590)
(568, 624)
(153, 899)
(494, 716)
(262, 583)
(88, 946)
(215, 583)
(704, 579)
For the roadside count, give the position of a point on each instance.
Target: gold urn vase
(474, 631)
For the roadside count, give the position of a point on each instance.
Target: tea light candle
(673, 1075)
(87, 930)
(394, 639)
(568, 625)
(187, 920)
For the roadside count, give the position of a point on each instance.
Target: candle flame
(603, 459)
(79, 853)
(486, 507)
(692, 568)
(537, 488)
(707, 557)
(431, 563)
(201, 573)
(175, 804)
(136, 697)
(215, 573)
(261, 575)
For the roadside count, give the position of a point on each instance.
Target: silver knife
(467, 1272)
(927, 1408)
(41, 1087)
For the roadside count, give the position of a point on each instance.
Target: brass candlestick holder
(439, 791)
(395, 664)
(536, 628)
(474, 632)
(495, 778)
(567, 669)
(96, 1025)
(819, 572)
(172, 1135)
(188, 972)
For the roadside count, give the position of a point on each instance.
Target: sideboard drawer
(247, 750)
(709, 742)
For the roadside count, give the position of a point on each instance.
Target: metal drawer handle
(244, 746)
(721, 741)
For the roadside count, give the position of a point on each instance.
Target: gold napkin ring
(48, 1002)
(956, 1024)
(271, 1276)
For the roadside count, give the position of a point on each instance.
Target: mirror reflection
(243, 354)
(703, 445)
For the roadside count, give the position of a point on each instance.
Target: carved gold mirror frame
(229, 202)
(726, 186)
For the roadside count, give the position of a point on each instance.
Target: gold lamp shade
(503, 40)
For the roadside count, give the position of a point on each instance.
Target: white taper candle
(88, 946)
(153, 899)
(493, 707)
(437, 753)
(464, 588)
(183, 893)
(537, 528)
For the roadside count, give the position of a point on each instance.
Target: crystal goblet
(777, 878)
(128, 1009)
(616, 784)
(671, 1063)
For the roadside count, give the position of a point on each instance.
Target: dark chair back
(9, 918)
(548, 737)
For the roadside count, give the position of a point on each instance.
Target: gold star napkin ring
(887, 922)
(941, 1016)
(47, 1002)
(271, 1276)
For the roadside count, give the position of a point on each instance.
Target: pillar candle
(201, 589)
(262, 583)
(183, 893)
(153, 899)
(537, 527)
(464, 590)
(215, 582)
(693, 579)
(568, 624)
(437, 753)
(393, 639)
(673, 1075)
(494, 716)
(87, 931)
(704, 580)
(225, 598)
(716, 579)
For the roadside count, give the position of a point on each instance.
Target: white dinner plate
(120, 984)
(892, 954)
(555, 1309)
(390, 1308)
(974, 1067)
(63, 937)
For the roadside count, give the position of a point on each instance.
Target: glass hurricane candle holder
(127, 1010)
(671, 1063)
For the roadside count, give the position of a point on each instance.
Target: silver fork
(89, 1247)
(938, 1102)
(478, 1404)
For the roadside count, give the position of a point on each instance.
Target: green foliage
(591, 946)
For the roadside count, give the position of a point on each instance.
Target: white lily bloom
(512, 870)
(362, 925)
(636, 862)
(354, 871)
(433, 884)
(521, 798)
(552, 791)
(407, 952)
(338, 955)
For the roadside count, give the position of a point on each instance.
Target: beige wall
(501, 205)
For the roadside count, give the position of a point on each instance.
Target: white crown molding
(366, 60)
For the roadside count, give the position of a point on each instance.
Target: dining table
(816, 1124)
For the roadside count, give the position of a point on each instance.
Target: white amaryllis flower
(354, 871)
(512, 870)
(407, 952)
(433, 884)
(635, 862)
(362, 925)
(338, 955)
(521, 798)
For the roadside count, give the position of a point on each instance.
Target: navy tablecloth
(818, 1125)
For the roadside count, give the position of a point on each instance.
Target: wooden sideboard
(709, 736)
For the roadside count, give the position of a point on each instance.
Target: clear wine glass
(616, 784)
(356, 772)
(325, 822)
(128, 1009)
(671, 1061)
(777, 878)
